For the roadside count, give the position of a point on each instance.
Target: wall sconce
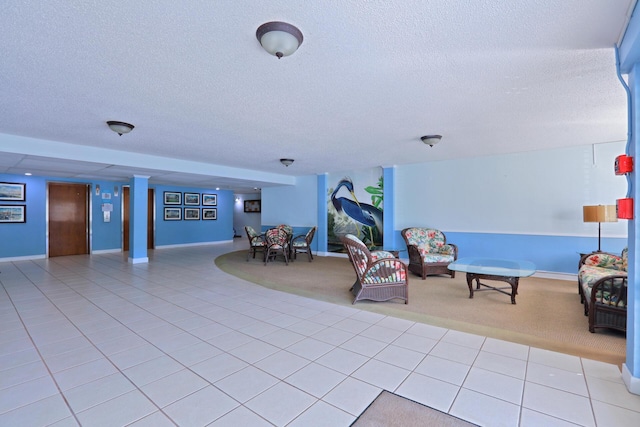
(120, 127)
(237, 199)
(279, 38)
(97, 189)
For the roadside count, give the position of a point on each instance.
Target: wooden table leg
(513, 281)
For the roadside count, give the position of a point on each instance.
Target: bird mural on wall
(362, 213)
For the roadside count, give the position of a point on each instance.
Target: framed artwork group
(13, 192)
(188, 212)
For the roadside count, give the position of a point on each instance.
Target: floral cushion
(606, 260)
(589, 275)
(599, 265)
(376, 255)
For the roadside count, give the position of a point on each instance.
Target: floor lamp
(599, 214)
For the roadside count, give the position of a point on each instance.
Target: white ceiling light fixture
(279, 38)
(286, 162)
(431, 140)
(120, 127)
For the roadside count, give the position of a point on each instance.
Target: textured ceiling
(369, 79)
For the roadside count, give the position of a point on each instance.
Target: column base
(138, 260)
(632, 383)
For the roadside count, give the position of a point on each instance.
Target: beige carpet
(548, 313)
(390, 410)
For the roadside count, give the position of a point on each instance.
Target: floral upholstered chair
(429, 252)
(380, 275)
(302, 243)
(256, 242)
(602, 284)
(277, 240)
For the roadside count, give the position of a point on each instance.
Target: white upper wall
(538, 192)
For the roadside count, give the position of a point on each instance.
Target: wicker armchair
(302, 243)
(602, 283)
(277, 240)
(381, 276)
(429, 252)
(256, 242)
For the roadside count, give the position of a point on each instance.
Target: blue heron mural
(369, 217)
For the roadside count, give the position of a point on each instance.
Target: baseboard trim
(23, 258)
(185, 245)
(632, 383)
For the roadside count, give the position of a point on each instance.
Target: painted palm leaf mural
(355, 207)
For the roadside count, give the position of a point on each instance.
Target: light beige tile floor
(96, 341)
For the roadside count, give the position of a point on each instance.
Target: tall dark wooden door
(125, 218)
(68, 219)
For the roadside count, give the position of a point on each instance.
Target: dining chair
(277, 241)
(302, 243)
(256, 242)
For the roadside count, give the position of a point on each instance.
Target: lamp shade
(279, 38)
(599, 213)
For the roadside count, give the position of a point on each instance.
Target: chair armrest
(257, 240)
(610, 290)
(449, 249)
(386, 270)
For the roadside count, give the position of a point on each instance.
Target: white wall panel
(538, 192)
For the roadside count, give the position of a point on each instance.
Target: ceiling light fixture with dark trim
(120, 127)
(431, 140)
(279, 38)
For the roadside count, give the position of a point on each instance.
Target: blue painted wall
(169, 233)
(29, 239)
(523, 205)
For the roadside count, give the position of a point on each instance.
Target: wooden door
(125, 218)
(68, 219)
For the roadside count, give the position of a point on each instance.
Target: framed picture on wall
(172, 198)
(13, 213)
(252, 206)
(191, 214)
(172, 214)
(209, 213)
(210, 199)
(12, 191)
(191, 199)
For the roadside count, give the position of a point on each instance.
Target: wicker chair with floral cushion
(256, 242)
(380, 275)
(429, 252)
(289, 231)
(602, 283)
(302, 243)
(277, 240)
